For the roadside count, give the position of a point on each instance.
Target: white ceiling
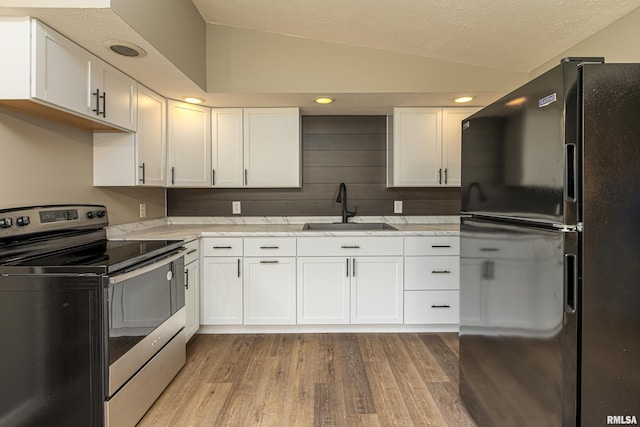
(517, 35)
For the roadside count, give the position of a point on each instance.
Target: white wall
(43, 162)
(247, 61)
(619, 42)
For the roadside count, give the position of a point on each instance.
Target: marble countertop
(183, 229)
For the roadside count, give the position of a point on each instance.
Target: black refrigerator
(550, 251)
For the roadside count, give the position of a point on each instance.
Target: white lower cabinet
(376, 290)
(192, 288)
(269, 291)
(221, 296)
(324, 290)
(432, 280)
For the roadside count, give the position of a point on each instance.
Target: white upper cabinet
(54, 72)
(416, 147)
(129, 159)
(189, 145)
(61, 71)
(227, 148)
(113, 96)
(272, 147)
(424, 148)
(151, 138)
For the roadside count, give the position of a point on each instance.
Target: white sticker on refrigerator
(543, 102)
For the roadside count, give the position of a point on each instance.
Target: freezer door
(517, 325)
(514, 151)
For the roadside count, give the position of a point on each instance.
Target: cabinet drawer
(432, 272)
(269, 246)
(432, 245)
(222, 246)
(349, 246)
(431, 307)
(193, 251)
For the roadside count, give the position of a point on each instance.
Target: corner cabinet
(424, 146)
(189, 145)
(130, 159)
(54, 78)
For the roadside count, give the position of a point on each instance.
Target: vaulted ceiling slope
(516, 35)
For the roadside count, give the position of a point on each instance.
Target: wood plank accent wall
(335, 149)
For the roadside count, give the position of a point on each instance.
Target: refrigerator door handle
(570, 283)
(570, 173)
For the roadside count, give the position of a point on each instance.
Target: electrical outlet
(235, 207)
(397, 206)
(143, 210)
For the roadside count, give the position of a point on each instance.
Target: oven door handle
(146, 268)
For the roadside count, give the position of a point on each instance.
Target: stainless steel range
(92, 330)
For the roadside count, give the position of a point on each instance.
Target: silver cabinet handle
(353, 270)
(440, 272)
(445, 176)
(222, 247)
(97, 95)
(238, 267)
(347, 267)
(350, 247)
(141, 167)
(275, 261)
(104, 104)
(269, 247)
(213, 177)
(246, 180)
(186, 280)
(441, 306)
(173, 175)
(440, 176)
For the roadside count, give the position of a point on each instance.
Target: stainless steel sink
(349, 226)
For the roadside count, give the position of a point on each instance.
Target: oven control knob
(91, 214)
(101, 213)
(6, 222)
(22, 221)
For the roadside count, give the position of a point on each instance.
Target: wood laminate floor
(315, 380)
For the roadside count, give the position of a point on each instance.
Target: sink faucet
(342, 198)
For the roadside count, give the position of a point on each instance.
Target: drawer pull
(269, 262)
(192, 251)
(269, 247)
(222, 247)
(350, 247)
(489, 249)
(440, 246)
(440, 272)
(441, 306)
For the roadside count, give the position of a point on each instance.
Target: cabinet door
(376, 290)
(221, 292)
(269, 291)
(62, 71)
(227, 147)
(452, 143)
(117, 100)
(272, 147)
(431, 273)
(323, 290)
(151, 138)
(417, 139)
(191, 294)
(189, 141)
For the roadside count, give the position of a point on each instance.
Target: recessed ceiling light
(463, 99)
(193, 100)
(324, 100)
(125, 48)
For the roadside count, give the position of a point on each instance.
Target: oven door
(142, 314)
